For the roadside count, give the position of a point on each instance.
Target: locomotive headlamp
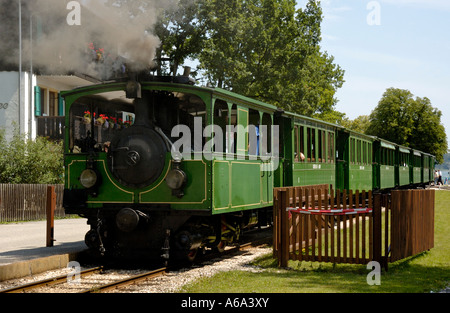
(176, 178)
(88, 178)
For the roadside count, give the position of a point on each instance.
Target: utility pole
(20, 61)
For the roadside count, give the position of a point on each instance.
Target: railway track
(98, 285)
(127, 281)
(50, 281)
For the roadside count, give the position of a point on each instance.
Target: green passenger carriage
(384, 165)
(314, 158)
(416, 167)
(404, 166)
(354, 160)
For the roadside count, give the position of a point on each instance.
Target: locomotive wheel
(191, 255)
(221, 246)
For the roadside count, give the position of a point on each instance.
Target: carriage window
(324, 149)
(221, 120)
(358, 151)
(311, 144)
(242, 135)
(302, 143)
(352, 151)
(417, 161)
(404, 159)
(330, 147)
(94, 121)
(266, 134)
(319, 146)
(231, 137)
(253, 136)
(364, 148)
(296, 150)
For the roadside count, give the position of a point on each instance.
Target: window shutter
(60, 105)
(37, 101)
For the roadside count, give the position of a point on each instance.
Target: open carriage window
(95, 120)
(172, 109)
(221, 119)
(254, 132)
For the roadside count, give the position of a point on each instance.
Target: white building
(35, 108)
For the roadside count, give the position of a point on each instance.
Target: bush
(24, 161)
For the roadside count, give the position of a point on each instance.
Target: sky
(389, 43)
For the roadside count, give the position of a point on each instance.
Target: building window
(48, 102)
(53, 100)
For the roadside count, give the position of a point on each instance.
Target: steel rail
(127, 281)
(48, 282)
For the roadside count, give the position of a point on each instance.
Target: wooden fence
(27, 202)
(412, 228)
(313, 223)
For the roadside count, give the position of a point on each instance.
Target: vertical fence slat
(375, 233)
(327, 224)
(300, 224)
(284, 217)
(319, 225)
(387, 214)
(313, 226)
(291, 223)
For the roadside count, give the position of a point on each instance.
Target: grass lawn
(428, 271)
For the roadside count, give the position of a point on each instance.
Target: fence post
(284, 231)
(51, 204)
(376, 229)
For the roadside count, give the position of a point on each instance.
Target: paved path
(25, 241)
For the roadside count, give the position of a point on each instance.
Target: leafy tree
(268, 50)
(181, 35)
(410, 122)
(30, 162)
(359, 124)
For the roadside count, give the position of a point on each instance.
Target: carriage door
(342, 160)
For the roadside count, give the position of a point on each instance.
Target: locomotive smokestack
(133, 90)
(187, 71)
(142, 110)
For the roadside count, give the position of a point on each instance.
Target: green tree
(359, 124)
(181, 35)
(410, 122)
(24, 161)
(268, 50)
